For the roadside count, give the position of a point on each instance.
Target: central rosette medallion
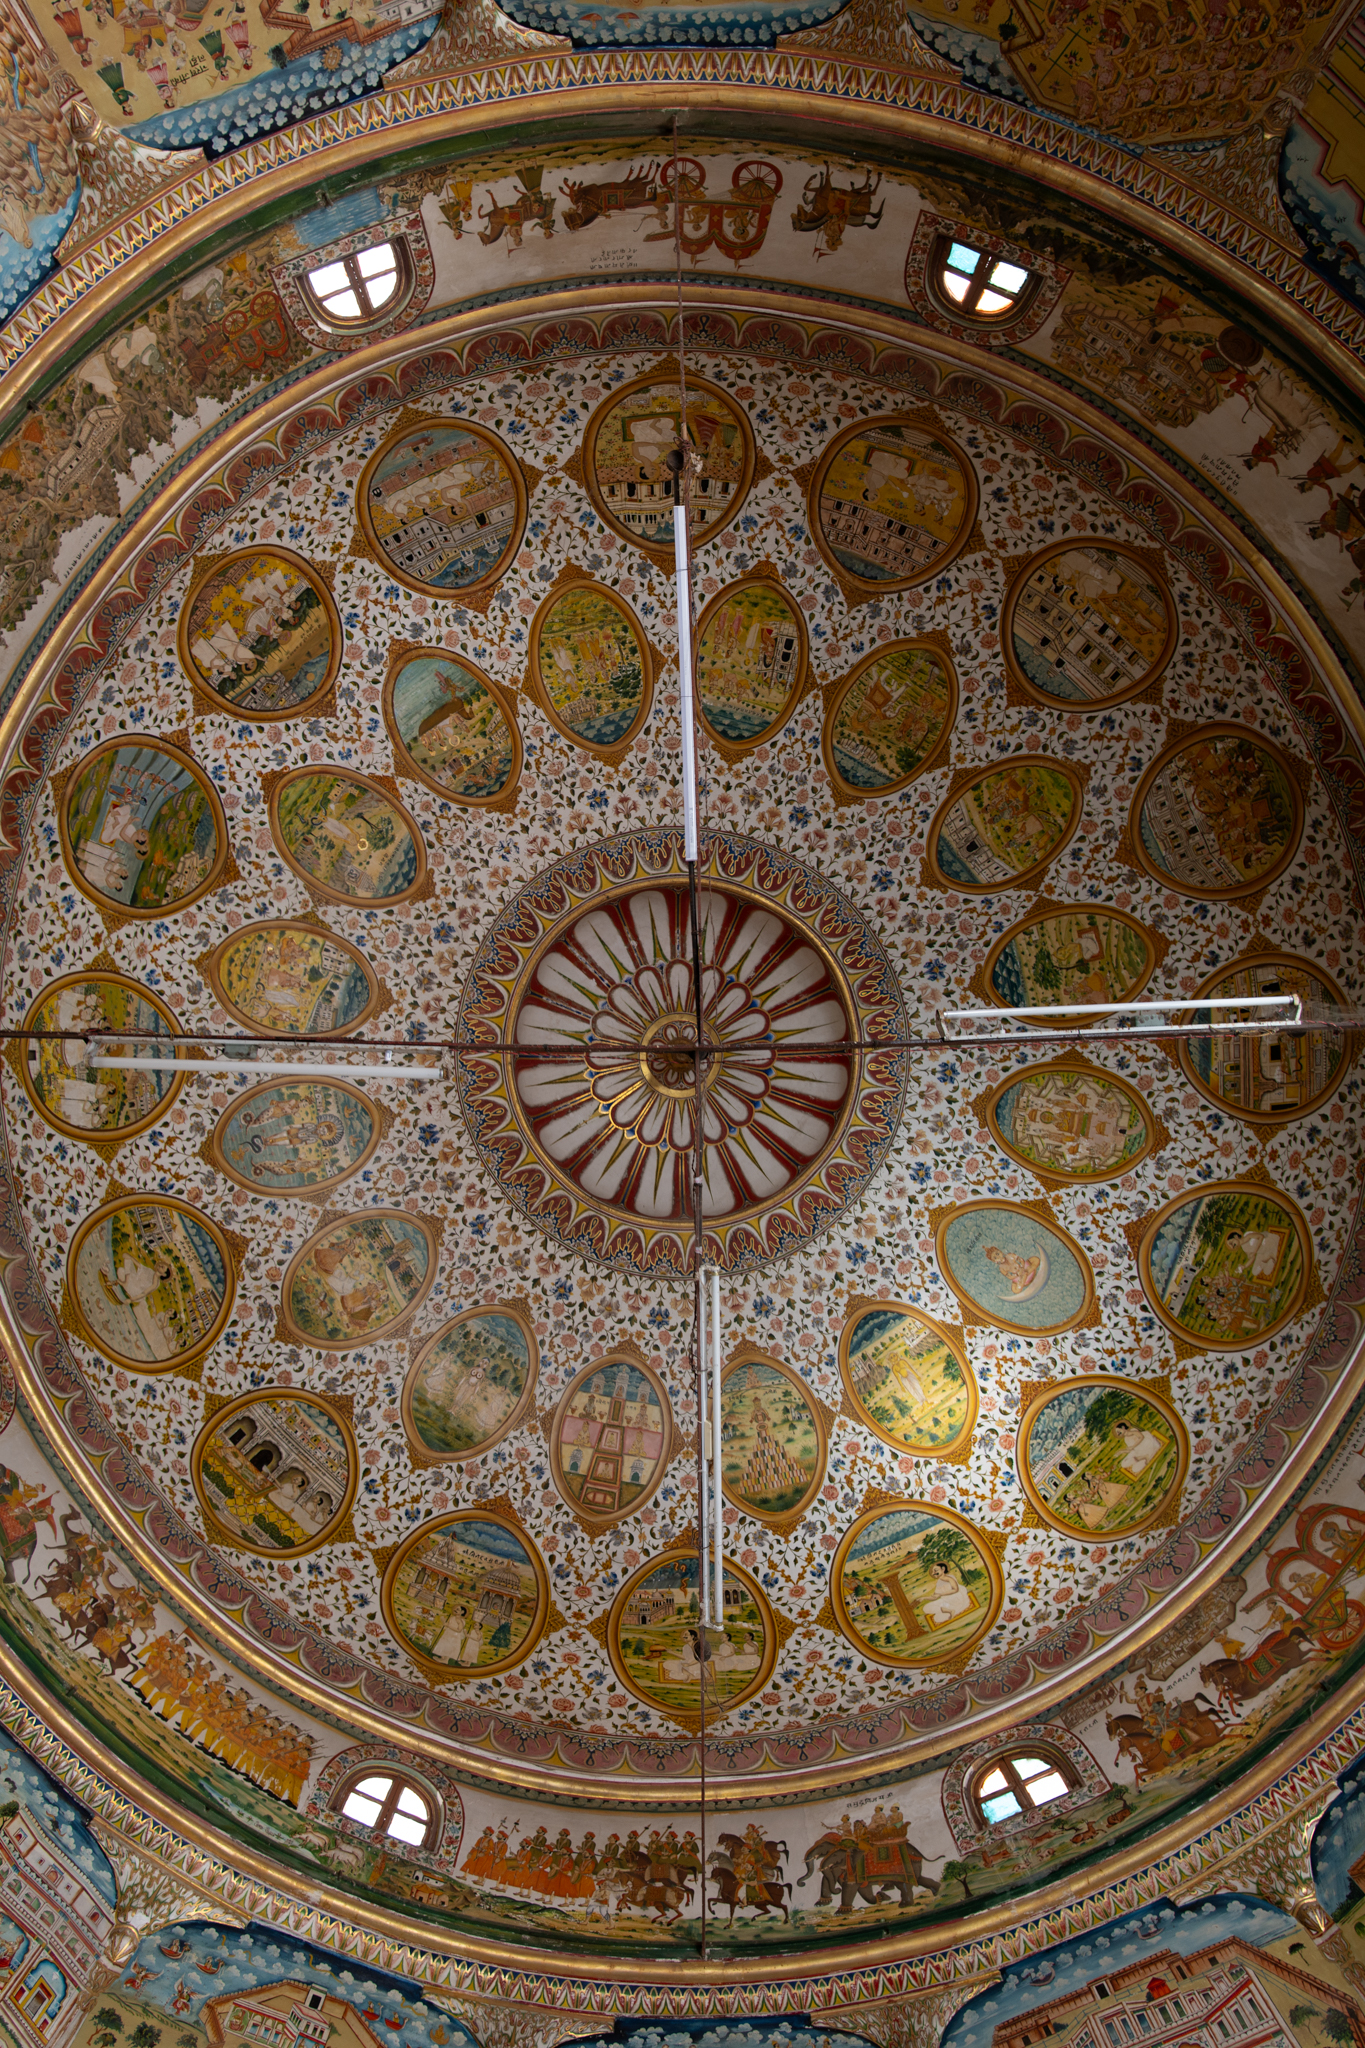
(590, 1115)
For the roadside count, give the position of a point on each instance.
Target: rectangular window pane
(1029, 1766)
(1009, 277)
(994, 1783)
(964, 259)
(956, 287)
(407, 1829)
(1001, 1807)
(1053, 1786)
(382, 288)
(374, 1788)
(331, 278)
(412, 1802)
(343, 306)
(372, 261)
(991, 302)
(366, 1810)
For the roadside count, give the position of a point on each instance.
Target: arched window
(387, 1803)
(977, 285)
(364, 288)
(1020, 1781)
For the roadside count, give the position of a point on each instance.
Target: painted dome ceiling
(353, 1422)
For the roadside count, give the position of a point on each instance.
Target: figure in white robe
(948, 1599)
(1144, 1446)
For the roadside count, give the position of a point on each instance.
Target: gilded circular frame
(662, 551)
(540, 689)
(1014, 668)
(195, 1351)
(495, 446)
(736, 749)
(502, 799)
(788, 1517)
(1257, 1190)
(1081, 1318)
(1160, 1514)
(1350, 1041)
(419, 1450)
(980, 1544)
(1154, 945)
(1026, 877)
(294, 1332)
(768, 1658)
(454, 1674)
(1235, 889)
(316, 1187)
(866, 586)
(210, 964)
(215, 566)
(366, 782)
(133, 742)
(848, 792)
(1071, 1063)
(120, 1132)
(629, 1357)
(958, 1445)
(222, 1416)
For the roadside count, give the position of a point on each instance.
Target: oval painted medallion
(915, 1585)
(774, 1442)
(96, 1103)
(752, 652)
(260, 634)
(452, 728)
(892, 502)
(1280, 1075)
(288, 1137)
(466, 1594)
(358, 1278)
(443, 506)
(1229, 1266)
(610, 1439)
(665, 1659)
(1010, 1266)
(289, 976)
(1087, 624)
(890, 720)
(470, 1384)
(142, 828)
(1102, 1458)
(1068, 1121)
(348, 838)
(1218, 814)
(1001, 828)
(591, 666)
(1072, 953)
(908, 1380)
(151, 1280)
(626, 470)
(276, 1471)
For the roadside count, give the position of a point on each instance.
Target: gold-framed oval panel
(259, 634)
(97, 1106)
(1279, 1076)
(296, 1137)
(1219, 814)
(908, 1379)
(283, 975)
(889, 720)
(892, 502)
(151, 1281)
(466, 1596)
(655, 1642)
(442, 504)
(624, 469)
(357, 1278)
(1010, 1265)
(1227, 1264)
(1001, 826)
(1086, 624)
(1101, 1457)
(452, 727)
(1070, 952)
(142, 828)
(276, 1471)
(611, 1438)
(776, 1440)
(347, 837)
(753, 663)
(470, 1384)
(591, 668)
(915, 1585)
(1071, 1123)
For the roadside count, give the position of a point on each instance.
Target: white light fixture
(691, 845)
(711, 1570)
(1291, 1007)
(305, 1069)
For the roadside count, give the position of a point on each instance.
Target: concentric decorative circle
(590, 1129)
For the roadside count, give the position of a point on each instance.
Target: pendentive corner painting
(1087, 624)
(908, 1379)
(151, 1281)
(1101, 1457)
(611, 1437)
(452, 727)
(775, 1440)
(1227, 1265)
(346, 837)
(915, 1585)
(663, 1654)
(442, 504)
(276, 1471)
(358, 1278)
(470, 1384)
(889, 719)
(625, 467)
(466, 1595)
(142, 828)
(892, 502)
(260, 634)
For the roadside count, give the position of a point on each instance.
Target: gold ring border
(1027, 877)
(740, 1361)
(974, 1307)
(305, 1338)
(801, 681)
(661, 552)
(442, 422)
(957, 1445)
(401, 653)
(1181, 746)
(420, 1451)
(1143, 1393)
(592, 1521)
(99, 1345)
(1155, 948)
(213, 1423)
(540, 688)
(215, 565)
(119, 1133)
(978, 1542)
(835, 694)
(384, 796)
(867, 586)
(1014, 591)
(1070, 1063)
(766, 1662)
(451, 1674)
(316, 1187)
(211, 964)
(1270, 1119)
(153, 743)
(1262, 1191)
